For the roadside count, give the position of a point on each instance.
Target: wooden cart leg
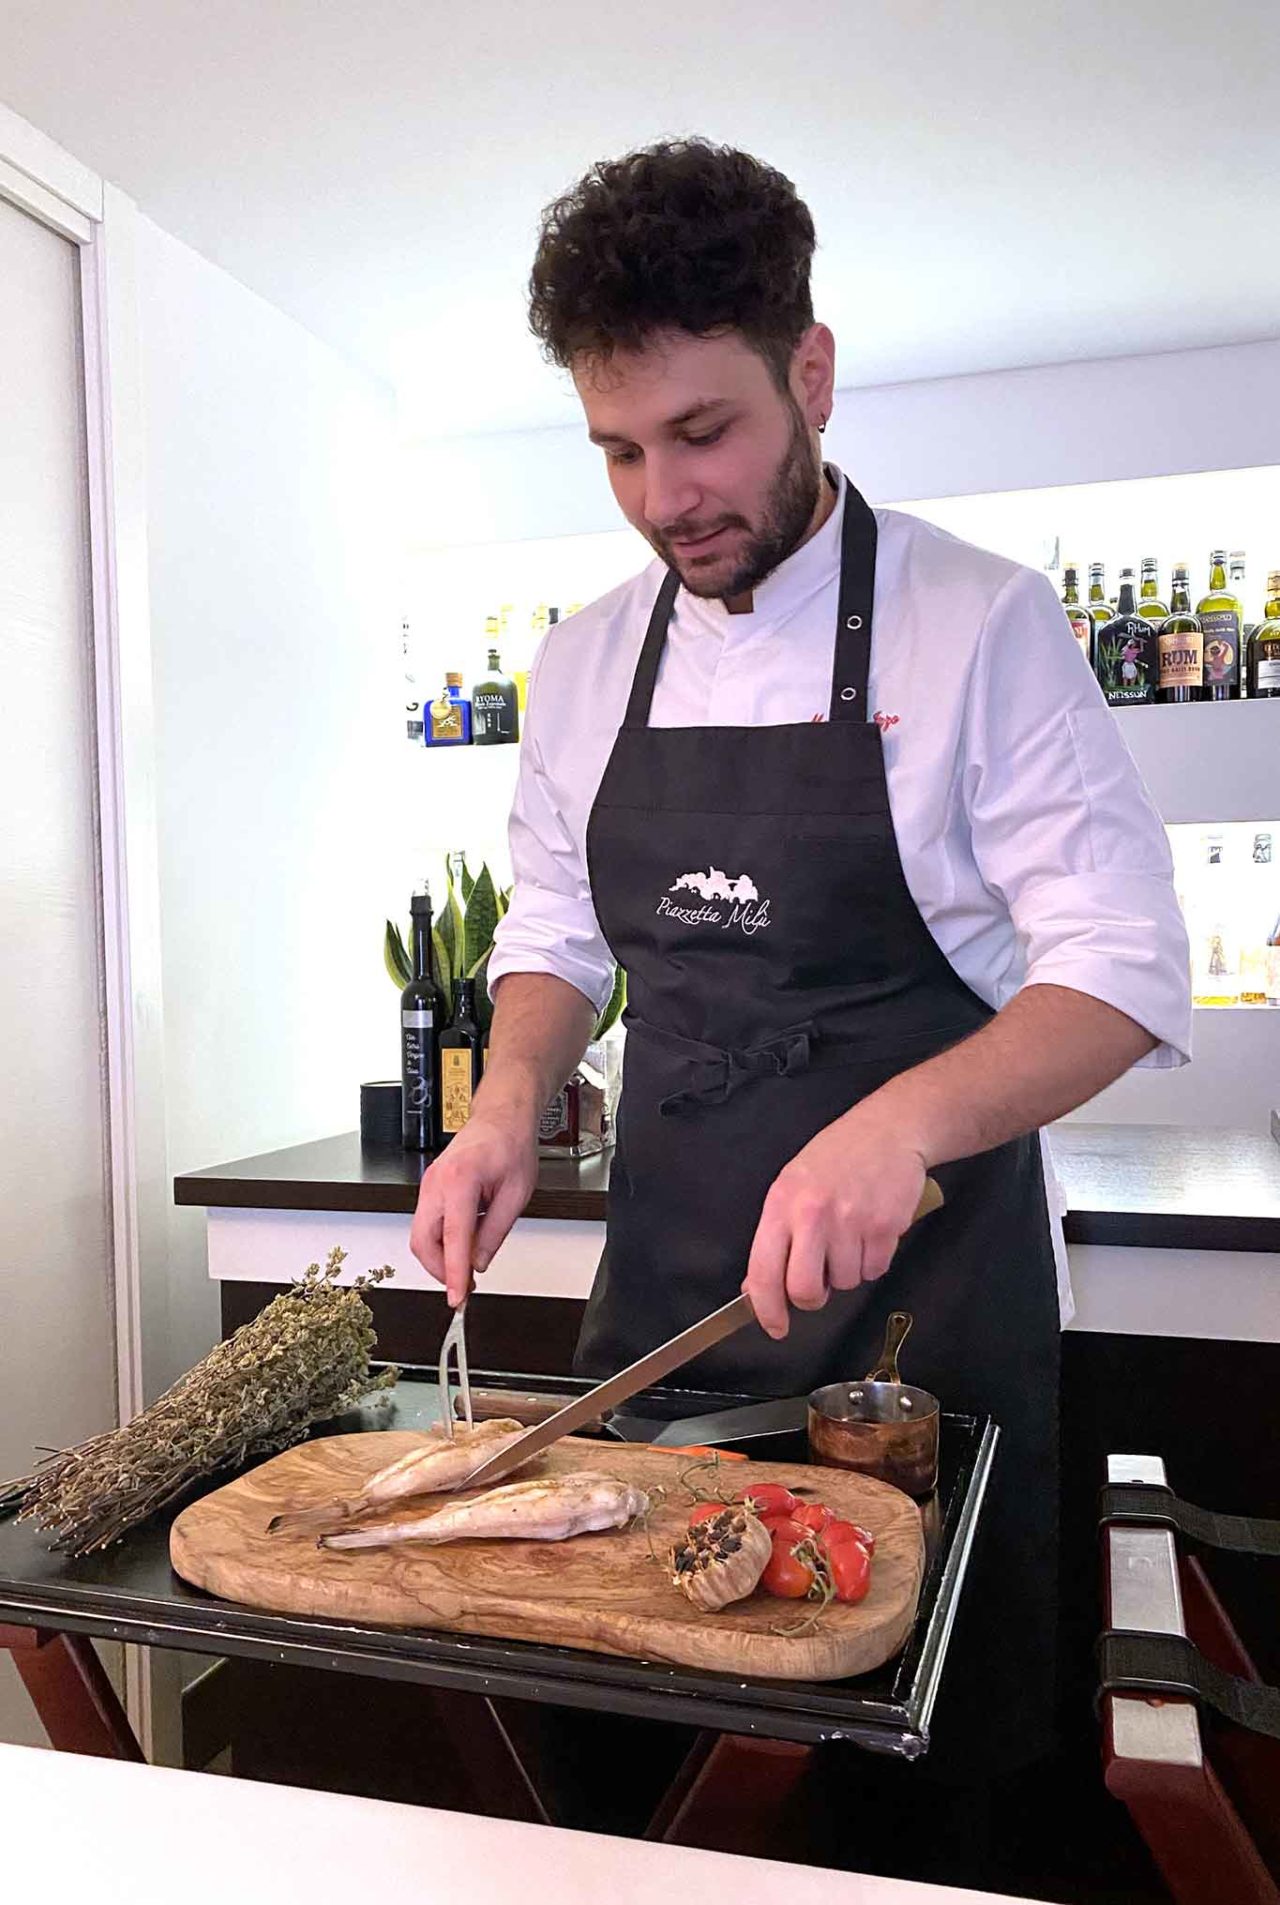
(732, 1795)
(77, 1704)
(501, 1784)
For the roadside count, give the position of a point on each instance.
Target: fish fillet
(547, 1510)
(435, 1469)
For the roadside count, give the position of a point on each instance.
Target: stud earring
(822, 426)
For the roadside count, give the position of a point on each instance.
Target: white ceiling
(997, 183)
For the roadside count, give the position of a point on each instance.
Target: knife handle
(528, 1410)
(931, 1199)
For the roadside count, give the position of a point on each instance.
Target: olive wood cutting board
(602, 1592)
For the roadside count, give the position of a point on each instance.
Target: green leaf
(395, 958)
(617, 999)
(467, 882)
(482, 918)
(484, 1004)
(443, 964)
(450, 927)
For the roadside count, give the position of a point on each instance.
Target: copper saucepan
(880, 1426)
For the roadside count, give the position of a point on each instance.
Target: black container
(381, 1100)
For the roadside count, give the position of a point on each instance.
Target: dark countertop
(1161, 1186)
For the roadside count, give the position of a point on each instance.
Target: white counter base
(1226, 1295)
(123, 1834)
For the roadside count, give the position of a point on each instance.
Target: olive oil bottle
(460, 1061)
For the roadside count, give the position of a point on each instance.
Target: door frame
(42, 179)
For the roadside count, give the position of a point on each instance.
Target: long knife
(640, 1375)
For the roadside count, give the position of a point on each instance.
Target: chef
(842, 797)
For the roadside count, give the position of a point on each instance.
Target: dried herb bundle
(301, 1360)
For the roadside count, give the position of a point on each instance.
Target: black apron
(748, 881)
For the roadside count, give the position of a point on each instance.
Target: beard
(785, 517)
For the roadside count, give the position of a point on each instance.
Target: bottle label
(1268, 674)
(419, 1018)
(558, 1124)
(446, 719)
(1081, 628)
(455, 1087)
(1181, 662)
(415, 1063)
(1221, 644)
(493, 714)
(1125, 657)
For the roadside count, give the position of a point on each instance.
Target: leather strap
(1168, 1664)
(1146, 1505)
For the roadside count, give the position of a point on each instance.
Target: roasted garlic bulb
(722, 1558)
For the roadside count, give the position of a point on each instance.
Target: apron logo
(726, 902)
(886, 721)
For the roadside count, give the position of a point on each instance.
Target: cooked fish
(435, 1469)
(548, 1510)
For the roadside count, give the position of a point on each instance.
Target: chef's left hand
(833, 1217)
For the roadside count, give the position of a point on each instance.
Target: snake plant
(462, 939)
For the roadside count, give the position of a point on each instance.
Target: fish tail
(297, 1518)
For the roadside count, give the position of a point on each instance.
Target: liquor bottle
(1181, 646)
(421, 1017)
(448, 717)
(460, 1061)
(1273, 966)
(1220, 618)
(1079, 618)
(1099, 607)
(1150, 607)
(1126, 655)
(495, 710)
(412, 701)
(1264, 647)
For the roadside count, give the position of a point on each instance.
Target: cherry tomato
(769, 1498)
(787, 1575)
(836, 1532)
(704, 1511)
(850, 1566)
(815, 1515)
(786, 1524)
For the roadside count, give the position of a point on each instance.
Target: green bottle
(1150, 607)
(1221, 617)
(1078, 617)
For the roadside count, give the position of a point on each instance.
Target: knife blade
(642, 1374)
(639, 1375)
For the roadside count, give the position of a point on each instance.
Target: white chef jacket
(1027, 838)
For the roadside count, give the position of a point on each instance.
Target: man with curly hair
(937, 911)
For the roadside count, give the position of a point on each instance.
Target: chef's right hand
(490, 1168)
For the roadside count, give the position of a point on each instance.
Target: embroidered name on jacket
(726, 902)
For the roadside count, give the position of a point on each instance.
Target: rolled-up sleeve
(1063, 828)
(551, 924)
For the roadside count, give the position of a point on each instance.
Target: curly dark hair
(682, 235)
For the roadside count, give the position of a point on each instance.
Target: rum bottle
(1180, 642)
(1220, 618)
(1126, 655)
(1264, 647)
(1079, 618)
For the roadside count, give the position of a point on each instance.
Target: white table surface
(74, 1828)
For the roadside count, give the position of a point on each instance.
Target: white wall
(1088, 422)
(276, 686)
